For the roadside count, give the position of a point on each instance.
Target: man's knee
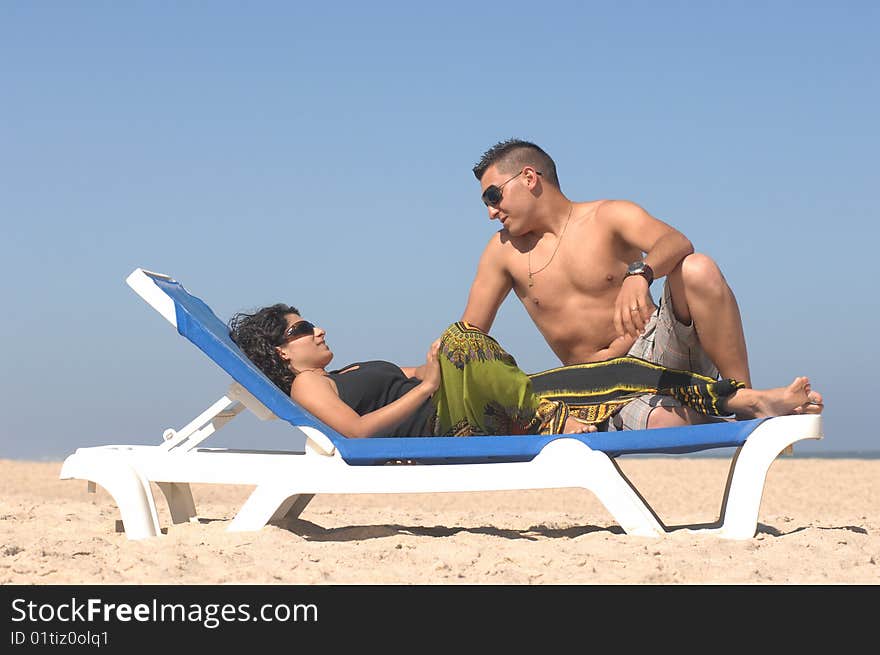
(701, 274)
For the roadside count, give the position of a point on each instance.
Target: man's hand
(633, 306)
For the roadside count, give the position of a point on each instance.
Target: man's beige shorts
(669, 343)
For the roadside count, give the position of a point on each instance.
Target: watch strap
(642, 269)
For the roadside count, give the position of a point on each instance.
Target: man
(583, 271)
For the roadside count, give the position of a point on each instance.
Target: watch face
(641, 268)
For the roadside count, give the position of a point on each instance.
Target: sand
(819, 524)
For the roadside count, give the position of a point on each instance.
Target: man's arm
(489, 288)
(664, 248)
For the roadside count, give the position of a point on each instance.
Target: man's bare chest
(578, 268)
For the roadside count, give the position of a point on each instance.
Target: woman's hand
(431, 371)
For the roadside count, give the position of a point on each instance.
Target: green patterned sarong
(484, 392)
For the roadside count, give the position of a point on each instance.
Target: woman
(469, 385)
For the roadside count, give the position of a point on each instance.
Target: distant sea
(843, 454)
(726, 453)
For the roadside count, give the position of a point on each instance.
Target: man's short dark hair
(511, 155)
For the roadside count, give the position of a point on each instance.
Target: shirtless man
(583, 271)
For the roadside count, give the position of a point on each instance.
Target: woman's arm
(316, 394)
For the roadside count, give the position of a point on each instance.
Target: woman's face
(304, 346)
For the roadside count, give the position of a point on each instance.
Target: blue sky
(321, 156)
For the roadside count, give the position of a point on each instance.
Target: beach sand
(819, 524)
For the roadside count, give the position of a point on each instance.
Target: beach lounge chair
(285, 482)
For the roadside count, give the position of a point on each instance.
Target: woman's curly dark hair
(258, 335)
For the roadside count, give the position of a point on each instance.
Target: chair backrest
(197, 322)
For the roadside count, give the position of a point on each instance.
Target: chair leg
(299, 503)
(568, 459)
(180, 501)
(749, 469)
(129, 489)
(266, 504)
(621, 499)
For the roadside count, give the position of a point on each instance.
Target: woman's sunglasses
(297, 330)
(492, 195)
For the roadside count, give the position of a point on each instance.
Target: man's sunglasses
(492, 195)
(297, 330)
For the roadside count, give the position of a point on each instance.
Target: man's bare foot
(575, 426)
(796, 398)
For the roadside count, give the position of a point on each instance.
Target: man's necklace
(561, 234)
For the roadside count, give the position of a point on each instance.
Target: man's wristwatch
(640, 268)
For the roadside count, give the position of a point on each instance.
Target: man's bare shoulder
(616, 209)
(502, 244)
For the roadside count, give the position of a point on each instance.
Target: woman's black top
(372, 385)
